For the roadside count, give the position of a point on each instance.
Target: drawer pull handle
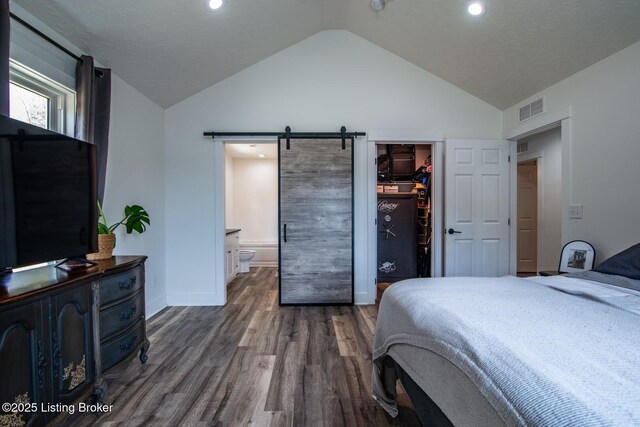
(129, 344)
(127, 285)
(128, 314)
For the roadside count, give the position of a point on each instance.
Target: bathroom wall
(229, 210)
(255, 207)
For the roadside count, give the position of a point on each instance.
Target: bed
(559, 350)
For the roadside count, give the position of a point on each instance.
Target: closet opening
(404, 212)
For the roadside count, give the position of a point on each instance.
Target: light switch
(575, 211)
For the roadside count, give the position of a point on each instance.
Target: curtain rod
(44, 36)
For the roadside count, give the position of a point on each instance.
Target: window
(40, 101)
(29, 106)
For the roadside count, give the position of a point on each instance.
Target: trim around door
(561, 118)
(436, 140)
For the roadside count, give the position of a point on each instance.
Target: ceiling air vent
(532, 109)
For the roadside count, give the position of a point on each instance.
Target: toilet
(245, 258)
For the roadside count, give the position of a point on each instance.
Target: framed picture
(577, 256)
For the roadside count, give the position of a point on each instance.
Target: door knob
(452, 231)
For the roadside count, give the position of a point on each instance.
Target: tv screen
(47, 195)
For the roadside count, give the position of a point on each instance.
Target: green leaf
(135, 219)
(103, 229)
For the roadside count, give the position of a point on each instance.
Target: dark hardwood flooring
(251, 362)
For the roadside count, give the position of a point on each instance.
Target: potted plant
(135, 219)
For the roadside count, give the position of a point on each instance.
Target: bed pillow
(626, 263)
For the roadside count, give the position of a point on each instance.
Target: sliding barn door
(316, 221)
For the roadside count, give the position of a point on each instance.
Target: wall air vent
(523, 147)
(532, 109)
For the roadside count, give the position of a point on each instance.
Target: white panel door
(476, 208)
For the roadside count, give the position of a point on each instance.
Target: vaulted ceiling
(171, 49)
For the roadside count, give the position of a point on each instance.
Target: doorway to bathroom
(251, 206)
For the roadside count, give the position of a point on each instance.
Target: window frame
(62, 100)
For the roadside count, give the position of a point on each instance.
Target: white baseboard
(266, 253)
(362, 298)
(193, 299)
(263, 263)
(154, 307)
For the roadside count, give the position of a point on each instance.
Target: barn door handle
(452, 231)
(285, 233)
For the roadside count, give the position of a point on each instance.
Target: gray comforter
(548, 351)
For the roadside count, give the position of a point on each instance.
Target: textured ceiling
(171, 49)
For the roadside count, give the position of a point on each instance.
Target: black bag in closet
(403, 162)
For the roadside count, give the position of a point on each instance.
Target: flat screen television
(47, 195)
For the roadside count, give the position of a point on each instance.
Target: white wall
(230, 219)
(135, 175)
(255, 207)
(605, 100)
(255, 199)
(331, 79)
(547, 144)
(135, 166)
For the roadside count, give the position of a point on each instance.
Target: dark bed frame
(426, 409)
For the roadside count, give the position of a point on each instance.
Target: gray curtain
(4, 57)
(93, 92)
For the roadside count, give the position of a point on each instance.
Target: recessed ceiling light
(260, 155)
(476, 8)
(377, 5)
(214, 4)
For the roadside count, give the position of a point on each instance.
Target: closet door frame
(436, 140)
(282, 140)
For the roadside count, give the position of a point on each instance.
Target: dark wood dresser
(60, 330)
(121, 312)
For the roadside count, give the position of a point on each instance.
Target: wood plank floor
(250, 362)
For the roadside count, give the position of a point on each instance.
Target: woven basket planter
(106, 243)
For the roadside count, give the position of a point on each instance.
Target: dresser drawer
(121, 346)
(120, 316)
(121, 285)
